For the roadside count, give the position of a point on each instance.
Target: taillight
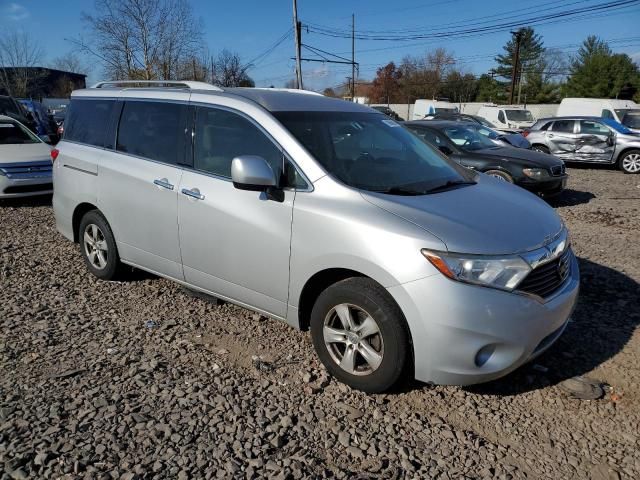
(525, 133)
(54, 154)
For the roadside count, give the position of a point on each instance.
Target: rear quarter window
(88, 121)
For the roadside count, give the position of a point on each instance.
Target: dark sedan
(537, 172)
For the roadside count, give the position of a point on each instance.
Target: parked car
(509, 137)
(10, 107)
(46, 127)
(388, 112)
(537, 172)
(323, 213)
(587, 139)
(25, 163)
(423, 108)
(626, 112)
(506, 116)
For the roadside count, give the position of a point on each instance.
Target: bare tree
(228, 71)
(19, 53)
(142, 39)
(70, 62)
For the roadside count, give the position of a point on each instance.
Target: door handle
(194, 193)
(164, 183)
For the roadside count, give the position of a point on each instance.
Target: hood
(29, 152)
(489, 218)
(512, 153)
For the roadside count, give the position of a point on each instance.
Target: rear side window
(222, 135)
(153, 130)
(607, 114)
(544, 125)
(563, 126)
(501, 116)
(88, 121)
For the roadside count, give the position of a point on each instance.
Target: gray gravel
(89, 388)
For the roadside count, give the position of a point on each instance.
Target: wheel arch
(625, 151)
(79, 212)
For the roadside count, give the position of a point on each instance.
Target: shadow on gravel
(26, 202)
(570, 197)
(604, 321)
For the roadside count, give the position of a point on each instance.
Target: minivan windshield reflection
(519, 115)
(470, 137)
(371, 152)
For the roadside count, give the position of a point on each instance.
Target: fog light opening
(484, 354)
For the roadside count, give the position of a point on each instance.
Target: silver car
(587, 139)
(322, 213)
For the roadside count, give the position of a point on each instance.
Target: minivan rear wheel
(360, 335)
(630, 162)
(99, 246)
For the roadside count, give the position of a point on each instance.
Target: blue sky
(251, 27)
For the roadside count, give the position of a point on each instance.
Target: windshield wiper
(449, 184)
(400, 191)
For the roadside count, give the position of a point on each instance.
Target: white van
(423, 108)
(626, 112)
(507, 116)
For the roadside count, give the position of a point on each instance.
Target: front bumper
(547, 188)
(25, 187)
(465, 334)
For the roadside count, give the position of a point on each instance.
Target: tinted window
(12, 134)
(593, 128)
(501, 116)
(8, 106)
(607, 114)
(222, 135)
(153, 130)
(88, 121)
(563, 126)
(371, 152)
(430, 136)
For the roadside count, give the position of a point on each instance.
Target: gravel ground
(90, 388)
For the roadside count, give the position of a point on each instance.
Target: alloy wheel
(631, 163)
(353, 339)
(95, 246)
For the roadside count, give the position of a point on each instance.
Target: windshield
(12, 133)
(519, 115)
(485, 122)
(469, 137)
(617, 126)
(7, 106)
(371, 152)
(630, 118)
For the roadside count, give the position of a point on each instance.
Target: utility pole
(514, 70)
(353, 57)
(520, 81)
(297, 32)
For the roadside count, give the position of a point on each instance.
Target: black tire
(540, 148)
(112, 267)
(500, 175)
(364, 296)
(630, 162)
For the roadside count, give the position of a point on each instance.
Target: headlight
(535, 173)
(504, 273)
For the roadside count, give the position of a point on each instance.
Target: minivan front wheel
(98, 246)
(360, 335)
(630, 162)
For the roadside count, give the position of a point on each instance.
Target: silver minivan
(323, 213)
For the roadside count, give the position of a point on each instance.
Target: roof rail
(156, 83)
(290, 90)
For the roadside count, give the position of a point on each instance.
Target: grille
(546, 279)
(27, 170)
(557, 170)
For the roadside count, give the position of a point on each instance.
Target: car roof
(570, 117)
(272, 99)
(439, 123)
(4, 118)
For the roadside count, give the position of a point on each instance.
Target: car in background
(587, 139)
(25, 161)
(10, 107)
(388, 112)
(537, 172)
(46, 127)
(502, 136)
(626, 112)
(507, 116)
(423, 108)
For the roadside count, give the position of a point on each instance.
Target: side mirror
(251, 172)
(444, 149)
